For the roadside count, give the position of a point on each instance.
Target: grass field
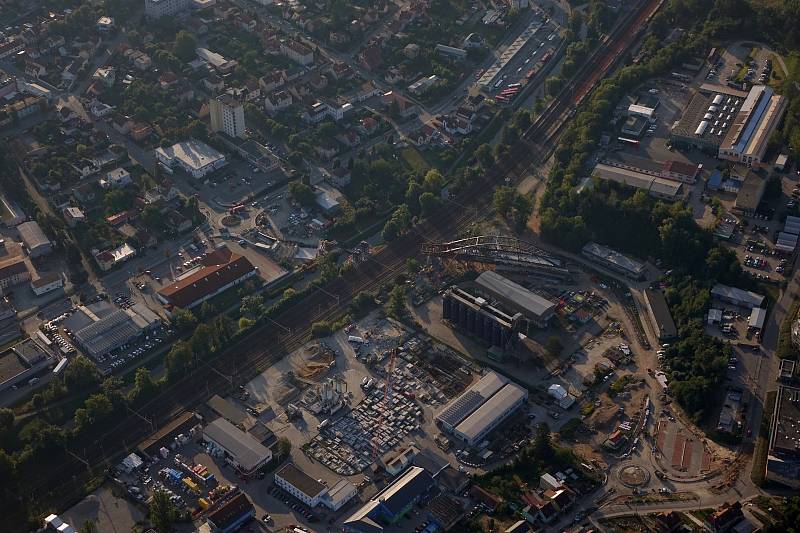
(415, 161)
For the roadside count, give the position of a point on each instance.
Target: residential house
(178, 222)
(122, 217)
(455, 124)
(366, 91)
(84, 193)
(213, 83)
(317, 81)
(73, 216)
(277, 101)
(297, 52)
(485, 497)
(168, 79)
(34, 69)
(252, 90)
(338, 37)
(115, 179)
(340, 70)
(405, 107)
(272, 81)
(423, 135)
(368, 125)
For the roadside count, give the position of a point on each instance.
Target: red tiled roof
(12, 267)
(221, 267)
(680, 167)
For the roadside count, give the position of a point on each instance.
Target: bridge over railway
(502, 251)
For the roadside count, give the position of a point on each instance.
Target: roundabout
(632, 475)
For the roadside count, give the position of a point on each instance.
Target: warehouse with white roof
(481, 408)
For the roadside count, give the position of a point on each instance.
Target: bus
(501, 99)
(634, 142)
(236, 209)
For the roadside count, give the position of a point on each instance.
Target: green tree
(553, 346)
(253, 305)
(184, 320)
(207, 310)
(202, 341)
(396, 303)
(81, 374)
(434, 181)
(163, 512)
(178, 360)
(543, 444)
(484, 156)
(302, 193)
(523, 209)
(320, 329)
(284, 447)
(503, 200)
(789, 518)
(429, 204)
(143, 385)
(185, 46)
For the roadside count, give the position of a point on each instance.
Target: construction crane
(387, 392)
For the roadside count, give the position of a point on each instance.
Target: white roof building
(193, 156)
(241, 448)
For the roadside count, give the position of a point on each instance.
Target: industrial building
(310, 491)
(655, 186)
(391, 504)
(614, 260)
(196, 158)
(300, 485)
(783, 458)
(473, 314)
(227, 116)
(108, 333)
(240, 449)
(22, 362)
(516, 298)
(758, 118)
(736, 296)
(221, 270)
(659, 315)
(33, 238)
(477, 426)
(562, 397)
(707, 118)
(482, 407)
(671, 169)
(232, 515)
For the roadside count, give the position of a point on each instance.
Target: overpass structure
(506, 253)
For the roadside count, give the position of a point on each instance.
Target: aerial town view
(401, 266)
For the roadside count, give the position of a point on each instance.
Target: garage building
(34, 239)
(736, 296)
(660, 317)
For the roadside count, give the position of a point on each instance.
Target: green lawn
(415, 161)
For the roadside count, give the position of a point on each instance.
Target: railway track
(269, 342)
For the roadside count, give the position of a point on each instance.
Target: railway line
(269, 342)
